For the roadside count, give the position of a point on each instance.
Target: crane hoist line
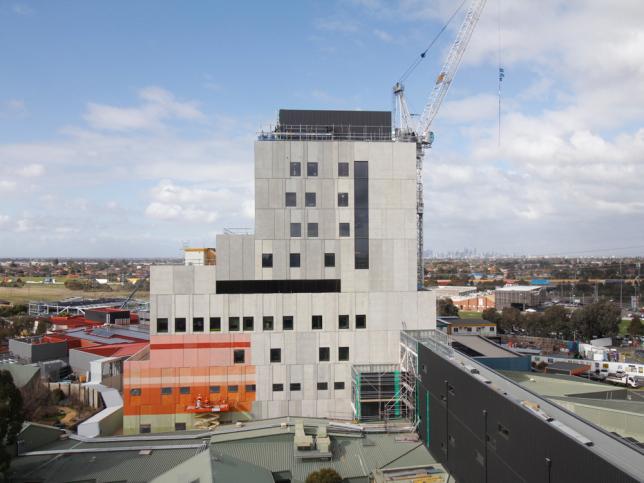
(405, 126)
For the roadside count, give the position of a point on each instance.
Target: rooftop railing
(332, 132)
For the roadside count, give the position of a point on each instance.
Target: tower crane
(408, 130)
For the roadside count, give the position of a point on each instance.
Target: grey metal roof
(21, 374)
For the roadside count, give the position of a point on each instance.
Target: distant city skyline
(127, 129)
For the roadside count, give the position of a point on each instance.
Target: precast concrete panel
(223, 256)
(263, 159)
(204, 279)
(307, 347)
(161, 279)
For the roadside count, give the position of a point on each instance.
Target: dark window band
(361, 213)
(277, 286)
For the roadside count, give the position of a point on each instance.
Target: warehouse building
(521, 297)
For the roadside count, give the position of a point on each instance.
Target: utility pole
(621, 288)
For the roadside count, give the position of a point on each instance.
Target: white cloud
(31, 170)
(13, 108)
(4, 220)
(384, 36)
(336, 24)
(175, 212)
(22, 9)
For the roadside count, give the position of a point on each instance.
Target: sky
(127, 128)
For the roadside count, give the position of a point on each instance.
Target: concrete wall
(80, 361)
(29, 352)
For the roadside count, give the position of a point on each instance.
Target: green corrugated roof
(22, 374)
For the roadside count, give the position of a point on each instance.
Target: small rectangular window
(329, 260)
(239, 356)
(294, 260)
(338, 386)
(267, 260)
(325, 354)
(296, 386)
(179, 426)
(162, 325)
(215, 389)
(343, 321)
(361, 321)
(197, 324)
(276, 355)
(278, 387)
(145, 428)
(180, 324)
(503, 431)
(312, 230)
(287, 322)
(296, 230)
(343, 353)
(343, 199)
(296, 169)
(316, 322)
(343, 169)
(290, 200)
(249, 323)
(323, 386)
(233, 324)
(311, 169)
(267, 323)
(250, 388)
(345, 229)
(166, 391)
(184, 390)
(215, 324)
(310, 200)
(135, 391)
(233, 388)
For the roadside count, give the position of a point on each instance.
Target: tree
(11, 417)
(447, 308)
(556, 319)
(635, 327)
(600, 319)
(325, 475)
(491, 315)
(510, 318)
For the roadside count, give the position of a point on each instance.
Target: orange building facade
(476, 303)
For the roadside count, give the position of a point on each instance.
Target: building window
(287, 322)
(325, 354)
(215, 324)
(135, 391)
(296, 230)
(166, 391)
(267, 260)
(343, 353)
(179, 426)
(184, 390)
(295, 386)
(278, 387)
(233, 388)
(197, 324)
(311, 169)
(180, 324)
(343, 169)
(329, 260)
(276, 355)
(309, 200)
(312, 230)
(294, 260)
(248, 323)
(361, 214)
(239, 356)
(162, 325)
(345, 229)
(343, 199)
(296, 169)
(145, 428)
(290, 200)
(233, 324)
(361, 321)
(316, 322)
(323, 386)
(250, 388)
(267, 323)
(215, 389)
(338, 386)
(343, 321)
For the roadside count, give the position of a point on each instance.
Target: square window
(309, 200)
(179, 426)
(296, 169)
(215, 324)
(343, 353)
(296, 229)
(267, 260)
(323, 386)
(233, 388)
(296, 386)
(276, 355)
(145, 428)
(325, 354)
(278, 387)
(343, 199)
(250, 388)
(329, 260)
(287, 322)
(233, 324)
(343, 169)
(248, 323)
(180, 324)
(215, 389)
(197, 324)
(316, 322)
(345, 229)
(166, 391)
(290, 199)
(135, 391)
(184, 390)
(361, 321)
(338, 386)
(343, 321)
(239, 356)
(267, 323)
(294, 260)
(312, 230)
(162, 325)
(311, 169)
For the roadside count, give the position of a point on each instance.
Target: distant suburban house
(102, 281)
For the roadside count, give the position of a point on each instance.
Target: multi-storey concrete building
(327, 280)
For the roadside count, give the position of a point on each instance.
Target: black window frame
(317, 322)
(145, 428)
(184, 390)
(135, 391)
(295, 168)
(294, 260)
(234, 324)
(324, 354)
(361, 321)
(214, 389)
(166, 391)
(343, 169)
(232, 388)
(329, 260)
(267, 260)
(344, 229)
(295, 386)
(275, 355)
(323, 386)
(277, 387)
(268, 322)
(198, 324)
(343, 354)
(312, 230)
(290, 199)
(250, 388)
(310, 199)
(296, 232)
(248, 323)
(215, 324)
(180, 324)
(312, 168)
(180, 426)
(338, 386)
(239, 356)
(343, 200)
(344, 322)
(288, 322)
(163, 328)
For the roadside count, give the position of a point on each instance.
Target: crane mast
(407, 130)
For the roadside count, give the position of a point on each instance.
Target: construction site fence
(87, 395)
